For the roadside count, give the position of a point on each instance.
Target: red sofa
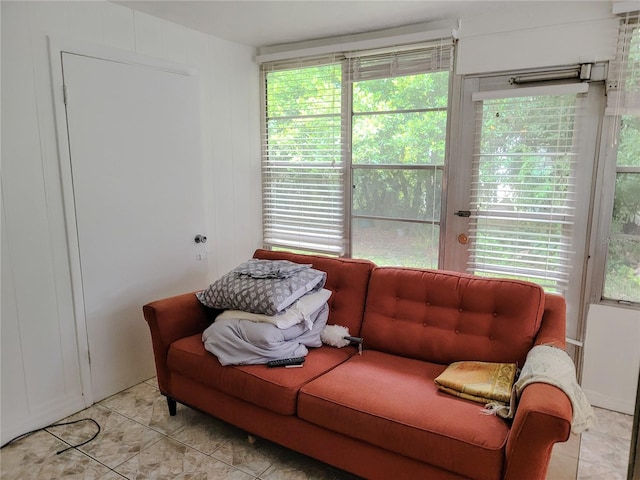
(379, 415)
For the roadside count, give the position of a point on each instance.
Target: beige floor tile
(143, 403)
(36, 458)
(612, 423)
(293, 466)
(251, 458)
(120, 438)
(112, 476)
(590, 471)
(30, 451)
(569, 448)
(171, 460)
(153, 381)
(564, 459)
(562, 467)
(133, 402)
(606, 450)
(139, 440)
(205, 433)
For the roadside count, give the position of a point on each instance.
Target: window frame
(410, 61)
(459, 179)
(607, 174)
(605, 190)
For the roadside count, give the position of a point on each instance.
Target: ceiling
(272, 22)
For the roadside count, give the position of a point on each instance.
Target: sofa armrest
(543, 417)
(553, 327)
(544, 413)
(169, 320)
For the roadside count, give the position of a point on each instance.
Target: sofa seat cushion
(275, 389)
(392, 402)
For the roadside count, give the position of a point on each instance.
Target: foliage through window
(523, 189)
(622, 276)
(389, 154)
(399, 136)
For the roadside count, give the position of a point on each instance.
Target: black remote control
(283, 362)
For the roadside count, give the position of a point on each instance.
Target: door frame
(58, 46)
(462, 145)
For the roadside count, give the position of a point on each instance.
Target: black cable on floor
(24, 435)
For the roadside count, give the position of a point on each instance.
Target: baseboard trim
(616, 404)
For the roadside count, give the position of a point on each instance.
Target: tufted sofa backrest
(442, 316)
(348, 279)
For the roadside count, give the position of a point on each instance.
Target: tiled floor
(601, 453)
(139, 440)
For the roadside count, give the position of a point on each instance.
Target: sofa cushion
(393, 402)
(346, 278)
(443, 317)
(275, 389)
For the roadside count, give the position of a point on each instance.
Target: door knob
(200, 239)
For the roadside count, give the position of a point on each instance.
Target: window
(356, 187)
(523, 186)
(399, 129)
(622, 269)
(302, 159)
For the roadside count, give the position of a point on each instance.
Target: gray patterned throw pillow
(238, 291)
(257, 268)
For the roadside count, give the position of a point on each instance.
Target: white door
(136, 164)
(527, 186)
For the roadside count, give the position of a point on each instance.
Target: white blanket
(301, 311)
(547, 364)
(243, 342)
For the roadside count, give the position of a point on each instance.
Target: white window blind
(523, 189)
(623, 78)
(302, 161)
(432, 57)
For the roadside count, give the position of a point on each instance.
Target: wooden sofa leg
(172, 406)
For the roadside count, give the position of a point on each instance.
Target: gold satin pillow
(481, 382)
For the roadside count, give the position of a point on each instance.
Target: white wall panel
(558, 34)
(29, 264)
(54, 21)
(48, 17)
(117, 26)
(224, 249)
(234, 176)
(148, 34)
(531, 15)
(38, 325)
(247, 177)
(86, 21)
(175, 44)
(14, 391)
(612, 357)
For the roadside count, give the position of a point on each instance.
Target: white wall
(40, 365)
(539, 34)
(611, 358)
